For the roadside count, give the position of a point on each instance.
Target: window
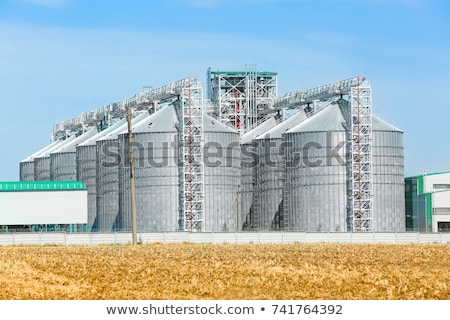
(441, 210)
(444, 226)
(441, 186)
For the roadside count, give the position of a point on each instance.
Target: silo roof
(263, 127)
(277, 131)
(47, 152)
(213, 125)
(379, 124)
(114, 134)
(71, 146)
(164, 120)
(37, 153)
(93, 140)
(328, 119)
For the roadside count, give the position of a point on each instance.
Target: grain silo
(26, 166)
(388, 177)
(155, 142)
(158, 174)
(222, 176)
(86, 161)
(268, 213)
(248, 172)
(42, 161)
(107, 175)
(318, 178)
(63, 161)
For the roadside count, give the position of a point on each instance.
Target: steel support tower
(192, 155)
(361, 157)
(241, 98)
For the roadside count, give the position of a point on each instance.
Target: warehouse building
(43, 206)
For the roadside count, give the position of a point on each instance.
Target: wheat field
(224, 271)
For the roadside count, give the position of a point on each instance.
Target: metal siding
(86, 159)
(268, 192)
(63, 166)
(317, 194)
(26, 170)
(247, 172)
(222, 182)
(157, 188)
(42, 168)
(389, 183)
(107, 184)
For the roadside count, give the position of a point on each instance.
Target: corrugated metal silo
(63, 162)
(388, 177)
(42, 161)
(248, 172)
(26, 166)
(268, 213)
(86, 161)
(107, 174)
(317, 173)
(155, 141)
(222, 176)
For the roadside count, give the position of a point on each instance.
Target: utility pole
(132, 186)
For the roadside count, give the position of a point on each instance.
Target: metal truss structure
(241, 98)
(358, 90)
(144, 100)
(192, 155)
(361, 157)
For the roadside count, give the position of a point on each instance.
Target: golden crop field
(222, 272)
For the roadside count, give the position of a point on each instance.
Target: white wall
(43, 207)
(59, 238)
(430, 180)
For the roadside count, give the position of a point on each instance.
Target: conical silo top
(277, 131)
(57, 147)
(164, 120)
(91, 141)
(72, 145)
(114, 134)
(51, 146)
(258, 130)
(213, 125)
(331, 118)
(379, 124)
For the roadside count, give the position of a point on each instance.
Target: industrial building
(241, 159)
(43, 206)
(428, 202)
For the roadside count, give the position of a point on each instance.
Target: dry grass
(205, 271)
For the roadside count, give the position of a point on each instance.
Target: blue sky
(59, 58)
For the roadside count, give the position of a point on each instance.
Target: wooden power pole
(132, 185)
